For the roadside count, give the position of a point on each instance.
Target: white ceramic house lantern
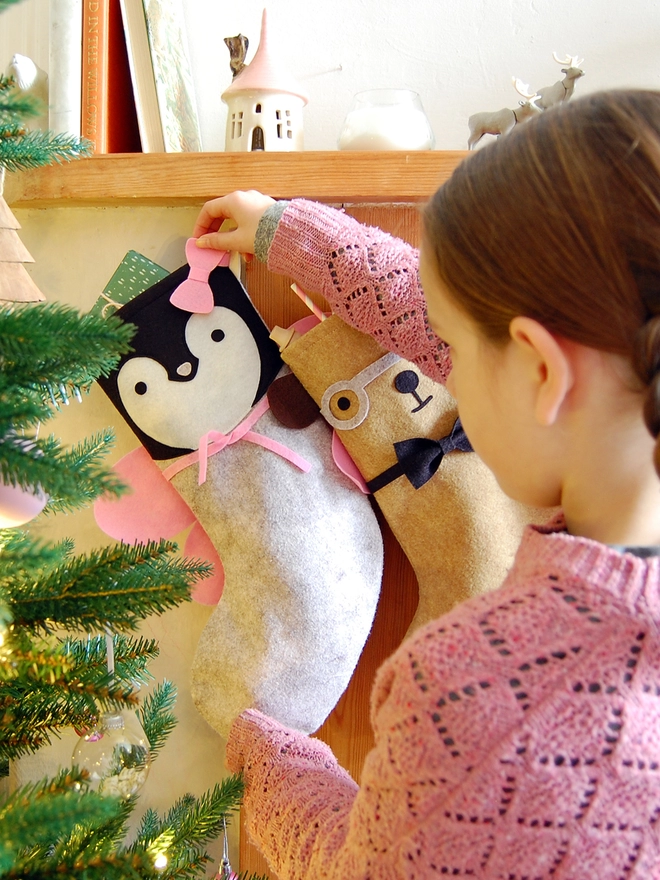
(264, 105)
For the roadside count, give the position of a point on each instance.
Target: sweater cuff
(266, 230)
(254, 736)
(244, 730)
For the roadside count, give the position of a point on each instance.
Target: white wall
(458, 54)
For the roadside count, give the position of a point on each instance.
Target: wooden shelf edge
(192, 178)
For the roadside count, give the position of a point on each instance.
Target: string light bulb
(160, 862)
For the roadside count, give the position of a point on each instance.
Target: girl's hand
(245, 209)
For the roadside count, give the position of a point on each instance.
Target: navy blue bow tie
(419, 458)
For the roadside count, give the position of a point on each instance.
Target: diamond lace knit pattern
(516, 737)
(369, 278)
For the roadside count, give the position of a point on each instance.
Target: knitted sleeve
(297, 796)
(310, 819)
(369, 278)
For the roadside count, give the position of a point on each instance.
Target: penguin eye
(218, 335)
(140, 387)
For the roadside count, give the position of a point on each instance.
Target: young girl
(519, 735)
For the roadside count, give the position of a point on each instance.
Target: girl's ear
(553, 370)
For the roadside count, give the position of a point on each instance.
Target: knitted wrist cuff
(242, 735)
(266, 230)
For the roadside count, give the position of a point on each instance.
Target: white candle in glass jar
(386, 119)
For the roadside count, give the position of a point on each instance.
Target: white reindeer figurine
(563, 88)
(502, 121)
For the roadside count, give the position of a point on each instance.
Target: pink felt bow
(195, 294)
(215, 441)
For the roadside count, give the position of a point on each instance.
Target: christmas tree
(69, 655)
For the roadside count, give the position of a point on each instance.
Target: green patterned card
(133, 276)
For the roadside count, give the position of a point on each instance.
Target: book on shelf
(161, 75)
(64, 66)
(108, 115)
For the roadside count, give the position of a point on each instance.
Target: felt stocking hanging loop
(195, 294)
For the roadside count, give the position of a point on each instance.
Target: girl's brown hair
(560, 221)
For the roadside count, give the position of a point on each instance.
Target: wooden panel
(192, 178)
(347, 730)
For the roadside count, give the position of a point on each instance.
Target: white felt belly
(303, 559)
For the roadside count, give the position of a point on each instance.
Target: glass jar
(386, 119)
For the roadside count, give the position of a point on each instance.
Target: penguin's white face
(217, 399)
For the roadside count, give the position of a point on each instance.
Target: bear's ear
(291, 405)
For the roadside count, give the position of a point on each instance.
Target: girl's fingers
(206, 223)
(220, 241)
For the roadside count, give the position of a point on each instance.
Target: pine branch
(46, 687)
(177, 813)
(115, 587)
(114, 867)
(90, 839)
(22, 661)
(21, 409)
(5, 4)
(131, 656)
(30, 714)
(37, 345)
(16, 103)
(22, 558)
(81, 476)
(190, 863)
(51, 343)
(155, 716)
(39, 813)
(27, 735)
(17, 390)
(148, 828)
(64, 781)
(188, 826)
(72, 478)
(205, 821)
(48, 675)
(33, 149)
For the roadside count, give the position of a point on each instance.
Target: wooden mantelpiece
(192, 178)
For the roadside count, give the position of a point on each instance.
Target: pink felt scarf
(215, 441)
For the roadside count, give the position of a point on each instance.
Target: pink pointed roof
(265, 73)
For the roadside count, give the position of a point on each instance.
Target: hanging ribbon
(419, 458)
(215, 441)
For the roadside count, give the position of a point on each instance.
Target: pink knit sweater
(516, 737)
(369, 278)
